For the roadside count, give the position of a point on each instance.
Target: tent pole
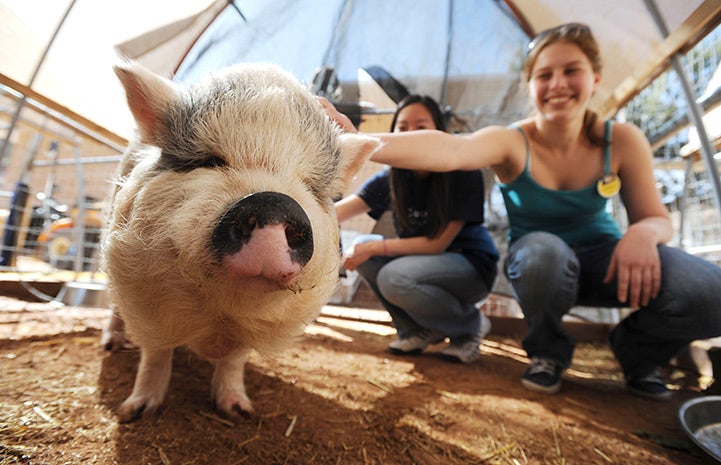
(339, 31)
(23, 99)
(694, 109)
(449, 46)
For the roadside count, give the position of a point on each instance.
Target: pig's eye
(174, 162)
(211, 162)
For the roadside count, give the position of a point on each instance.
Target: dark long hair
(439, 192)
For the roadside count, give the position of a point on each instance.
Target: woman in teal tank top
(557, 169)
(577, 216)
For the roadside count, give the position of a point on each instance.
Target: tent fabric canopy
(76, 77)
(464, 52)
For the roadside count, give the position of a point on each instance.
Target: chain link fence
(55, 177)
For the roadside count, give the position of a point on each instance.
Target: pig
(222, 235)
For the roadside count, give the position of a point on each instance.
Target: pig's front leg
(151, 383)
(229, 385)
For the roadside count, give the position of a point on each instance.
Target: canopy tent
(76, 76)
(60, 53)
(465, 53)
(362, 53)
(463, 36)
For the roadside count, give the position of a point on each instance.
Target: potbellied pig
(222, 235)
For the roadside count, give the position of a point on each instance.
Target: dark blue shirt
(466, 204)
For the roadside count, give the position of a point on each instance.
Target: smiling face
(562, 81)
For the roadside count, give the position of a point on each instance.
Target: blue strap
(525, 139)
(607, 149)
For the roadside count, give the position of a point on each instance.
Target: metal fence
(684, 184)
(55, 177)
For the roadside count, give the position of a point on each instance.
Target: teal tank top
(578, 217)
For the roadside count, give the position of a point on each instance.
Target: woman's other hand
(360, 253)
(636, 265)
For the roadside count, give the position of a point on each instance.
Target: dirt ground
(337, 397)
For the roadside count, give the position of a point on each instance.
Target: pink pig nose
(265, 234)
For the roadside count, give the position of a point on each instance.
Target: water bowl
(701, 421)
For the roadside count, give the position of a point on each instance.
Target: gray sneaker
(544, 375)
(415, 344)
(468, 350)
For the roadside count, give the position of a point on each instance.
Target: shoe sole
(395, 351)
(648, 395)
(404, 352)
(537, 387)
(450, 358)
(454, 359)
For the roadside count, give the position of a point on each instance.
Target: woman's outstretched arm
(434, 150)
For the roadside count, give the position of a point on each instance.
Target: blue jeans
(549, 277)
(431, 292)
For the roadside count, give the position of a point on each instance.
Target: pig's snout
(266, 234)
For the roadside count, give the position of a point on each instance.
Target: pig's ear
(355, 149)
(148, 96)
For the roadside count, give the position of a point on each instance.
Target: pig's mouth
(259, 283)
(265, 239)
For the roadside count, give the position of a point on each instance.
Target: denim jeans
(432, 292)
(549, 277)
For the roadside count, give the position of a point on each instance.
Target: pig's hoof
(134, 408)
(235, 406)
